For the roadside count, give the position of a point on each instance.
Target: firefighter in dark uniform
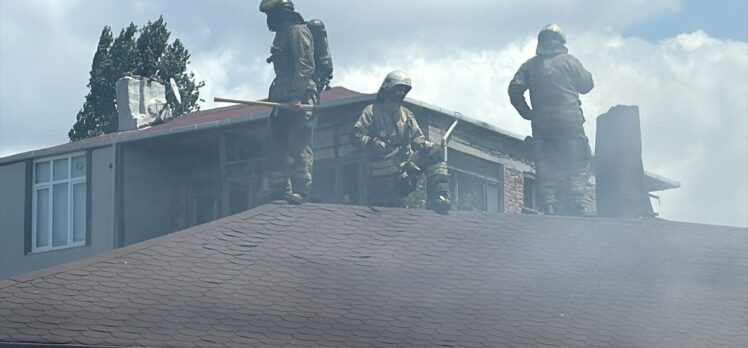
(288, 151)
(555, 79)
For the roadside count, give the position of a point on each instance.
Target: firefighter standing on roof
(288, 151)
(555, 79)
(397, 151)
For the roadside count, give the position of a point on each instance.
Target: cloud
(691, 91)
(228, 75)
(43, 75)
(621, 14)
(450, 26)
(53, 12)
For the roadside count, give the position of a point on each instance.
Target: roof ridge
(26, 277)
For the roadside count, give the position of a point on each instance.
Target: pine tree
(122, 61)
(123, 54)
(148, 55)
(89, 122)
(150, 47)
(174, 65)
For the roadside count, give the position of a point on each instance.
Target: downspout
(447, 137)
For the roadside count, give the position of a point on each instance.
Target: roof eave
(462, 117)
(654, 182)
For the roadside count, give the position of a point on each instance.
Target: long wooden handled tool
(303, 107)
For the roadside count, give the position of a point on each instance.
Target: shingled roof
(199, 120)
(331, 275)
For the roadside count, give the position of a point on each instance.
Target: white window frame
(50, 186)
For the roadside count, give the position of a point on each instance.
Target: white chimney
(141, 102)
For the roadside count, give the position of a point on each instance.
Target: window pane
(467, 162)
(471, 193)
(324, 154)
(346, 150)
(323, 137)
(79, 167)
(60, 214)
(492, 198)
(344, 137)
(323, 190)
(42, 172)
(528, 191)
(42, 217)
(239, 193)
(350, 184)
(61, 169)
(242, 147)
(494, 171)
(79, 212)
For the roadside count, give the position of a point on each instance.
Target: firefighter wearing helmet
(270, 5)
(555, 79)
(288, 152)
(396, 150)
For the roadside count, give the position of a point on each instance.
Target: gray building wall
(148, 186)
(14, 181)
(102, 196)
(12, 217)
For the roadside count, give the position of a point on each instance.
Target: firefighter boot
(437, 190)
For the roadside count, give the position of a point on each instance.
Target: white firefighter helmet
(552, 32)
(395, 78)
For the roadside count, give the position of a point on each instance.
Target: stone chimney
(141, 102)
(619, 171)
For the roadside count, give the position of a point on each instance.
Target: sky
(684, 63)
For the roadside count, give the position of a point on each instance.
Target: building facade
(79, 199)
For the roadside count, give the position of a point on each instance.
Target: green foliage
(173, 64)
(146, 53)
(150, 47)
(468, 202)
(417, 198)
(92, 118)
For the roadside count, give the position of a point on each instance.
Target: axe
(302, 107)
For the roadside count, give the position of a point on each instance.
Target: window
(241, 147)
(59, 203)
(204, 198)
(350, 179)
(242, 178)
(323, 143)
(528, 191)
(477, 184)
(323, 187)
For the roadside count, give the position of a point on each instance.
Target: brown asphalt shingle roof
(351, 276)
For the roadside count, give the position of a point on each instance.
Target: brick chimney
(619, 170)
